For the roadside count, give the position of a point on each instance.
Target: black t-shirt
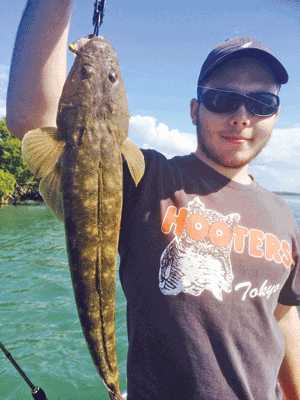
(204, 262)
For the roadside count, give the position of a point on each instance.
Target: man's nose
(240, 118)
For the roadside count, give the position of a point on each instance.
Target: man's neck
(239, 175)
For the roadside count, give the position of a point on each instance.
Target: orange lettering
(178, 220)
(197, 227)
(220, 234)
(272, 248)
(239, 240)
(286, 258)
(255, 241)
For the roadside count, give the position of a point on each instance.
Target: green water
(39, 325)
(38, 317)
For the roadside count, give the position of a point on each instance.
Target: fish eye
(86, 71)
(112, 77)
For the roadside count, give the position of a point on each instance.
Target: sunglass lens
(263, 104)
(221, 101)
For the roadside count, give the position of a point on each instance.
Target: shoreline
(23, 203)
(288, 193)
(40, 202)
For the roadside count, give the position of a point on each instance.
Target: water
(39, 324)
(38, 317)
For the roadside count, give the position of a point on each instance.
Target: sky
(162, 45)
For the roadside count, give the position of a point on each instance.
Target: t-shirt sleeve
(290, 293)
(130, 191)
(138, 198)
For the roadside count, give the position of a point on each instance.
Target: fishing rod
(37, 392)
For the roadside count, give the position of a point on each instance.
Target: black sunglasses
(261, 104)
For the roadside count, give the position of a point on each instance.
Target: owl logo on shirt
(199, 258)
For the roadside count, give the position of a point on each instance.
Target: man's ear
(277, 112)
(194, 110)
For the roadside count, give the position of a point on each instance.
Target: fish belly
(92, 202)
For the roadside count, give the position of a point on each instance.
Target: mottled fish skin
(93, 120)
(80, 167)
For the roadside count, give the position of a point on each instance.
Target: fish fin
(135, 160)
(41, 149)
(51, 193)
(115, 396)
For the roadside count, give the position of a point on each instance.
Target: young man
(208, 256)
(209, 259)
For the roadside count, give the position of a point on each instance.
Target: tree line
(17, 182)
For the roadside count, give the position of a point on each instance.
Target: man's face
(232, 140)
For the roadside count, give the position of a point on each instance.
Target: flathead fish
(80, 163)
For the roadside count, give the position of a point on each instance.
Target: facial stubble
(212, 155)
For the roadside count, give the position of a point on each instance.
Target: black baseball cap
(242, 46)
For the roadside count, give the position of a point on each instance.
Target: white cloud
(2, 108)
(4, 73)
(4, 69)
(160, 137)
(277, 167)
(283, 148)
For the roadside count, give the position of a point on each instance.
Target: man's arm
(38, 67)
(289, 375)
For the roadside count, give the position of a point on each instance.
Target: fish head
(94, 92)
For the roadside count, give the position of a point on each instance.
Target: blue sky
(162, 45)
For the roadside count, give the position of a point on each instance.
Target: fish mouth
(76, 46)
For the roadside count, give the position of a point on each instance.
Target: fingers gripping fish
(81, 169)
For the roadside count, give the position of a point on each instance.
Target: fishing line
(37, 392)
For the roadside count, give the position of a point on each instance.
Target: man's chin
(225, 162)
(234, 164)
